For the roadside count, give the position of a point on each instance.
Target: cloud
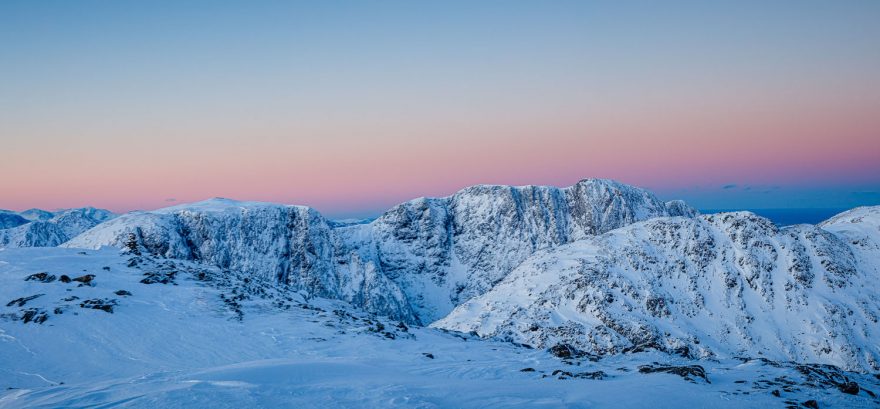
(730, 186)
(170, 199)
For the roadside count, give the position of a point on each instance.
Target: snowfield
(595, 295)
(185, 344)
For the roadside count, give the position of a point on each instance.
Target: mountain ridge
(720, 285)
(456, 262)
(406, 263)
(41, 228)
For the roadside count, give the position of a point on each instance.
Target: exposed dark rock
(565, 351)
(811, 404)
(41, 277)
(591, 375)
(428, 355)
(122, 293)
(579, 375)
(527, 370)
(684, 352)
(231, 302)
(85, 279)
(35, 315)
(22, 301)
(851, 388)
(64, 278)
(688, 372)
(562, 374)
(131, 244)
(160, 277)
(99, 304)
(828, 376)
(776, 393)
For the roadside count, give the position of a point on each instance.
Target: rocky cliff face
(445, 251)
(292, 245)
(718, 285)
(416, 262)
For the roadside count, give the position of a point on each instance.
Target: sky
(352, 107)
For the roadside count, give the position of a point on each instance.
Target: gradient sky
(351, 107)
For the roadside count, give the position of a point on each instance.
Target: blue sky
(354, 106)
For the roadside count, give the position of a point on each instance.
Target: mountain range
(596, 270)
(41, 228)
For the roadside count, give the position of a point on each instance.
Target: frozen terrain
(40, 228)
(598, 294)
(416, 262)
(134, 331)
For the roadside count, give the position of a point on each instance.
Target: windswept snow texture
(721, 285)
(39, 228)
(143, 332)
(416, 262)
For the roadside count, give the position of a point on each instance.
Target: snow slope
(210, 338)
(715, 286)
(39, 228)
(9, 219)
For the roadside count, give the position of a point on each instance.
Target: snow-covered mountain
(10, 219)
(721, 285)
(416, 262)
(292, 245)
(607, 294)
(600, 266)
(37, 214)
(443, 251)
(40, 228)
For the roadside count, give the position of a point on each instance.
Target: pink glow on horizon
(352, 108)
(665, 150)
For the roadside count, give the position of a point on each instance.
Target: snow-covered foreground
(189, 335)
